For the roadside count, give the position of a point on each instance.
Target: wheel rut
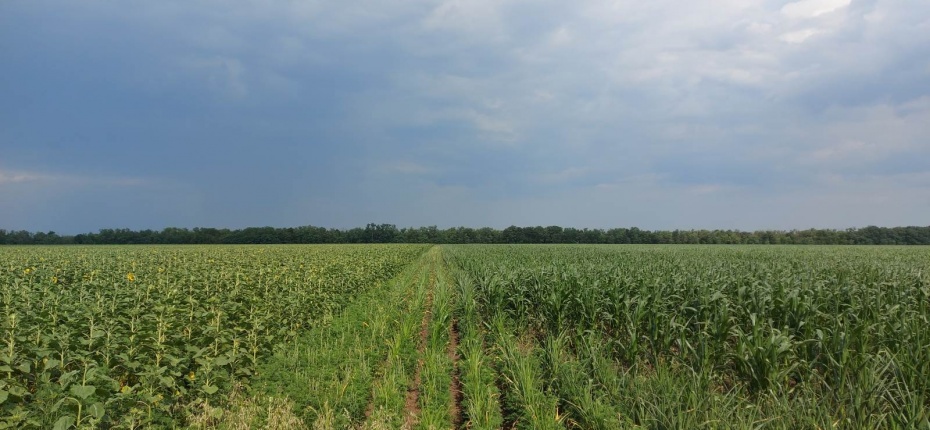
(412, 401)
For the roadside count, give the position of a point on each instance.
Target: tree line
(389, 233)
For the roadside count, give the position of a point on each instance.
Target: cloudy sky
(593, 113)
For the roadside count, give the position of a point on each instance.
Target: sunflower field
(130, 337)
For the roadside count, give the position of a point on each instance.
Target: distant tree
(389, 233)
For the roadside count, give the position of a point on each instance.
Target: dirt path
(409, 296)
(412, 402)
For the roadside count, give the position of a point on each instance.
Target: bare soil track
(412, 403)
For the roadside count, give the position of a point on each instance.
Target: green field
(465, 336)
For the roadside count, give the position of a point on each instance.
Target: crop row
(698, 337)
(142, 336)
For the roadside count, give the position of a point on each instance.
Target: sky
(728, 114)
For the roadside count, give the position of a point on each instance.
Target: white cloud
(706, 188)
(806, 9)
(406, 167)
(799, 36)
(24, 177)
(479, 19)
(560, 38)
(564, 175)
(856, 150)
(224, 75)
(494, 127)
(16, 177)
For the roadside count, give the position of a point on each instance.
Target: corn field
(701, 337)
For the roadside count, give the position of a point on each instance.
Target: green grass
(360, 363)
(435, 397)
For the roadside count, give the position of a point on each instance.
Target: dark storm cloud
(594, 113)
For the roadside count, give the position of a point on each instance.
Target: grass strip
(435, 396)
(390, 389)
(336, 371)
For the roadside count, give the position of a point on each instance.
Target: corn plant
(781, 337)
